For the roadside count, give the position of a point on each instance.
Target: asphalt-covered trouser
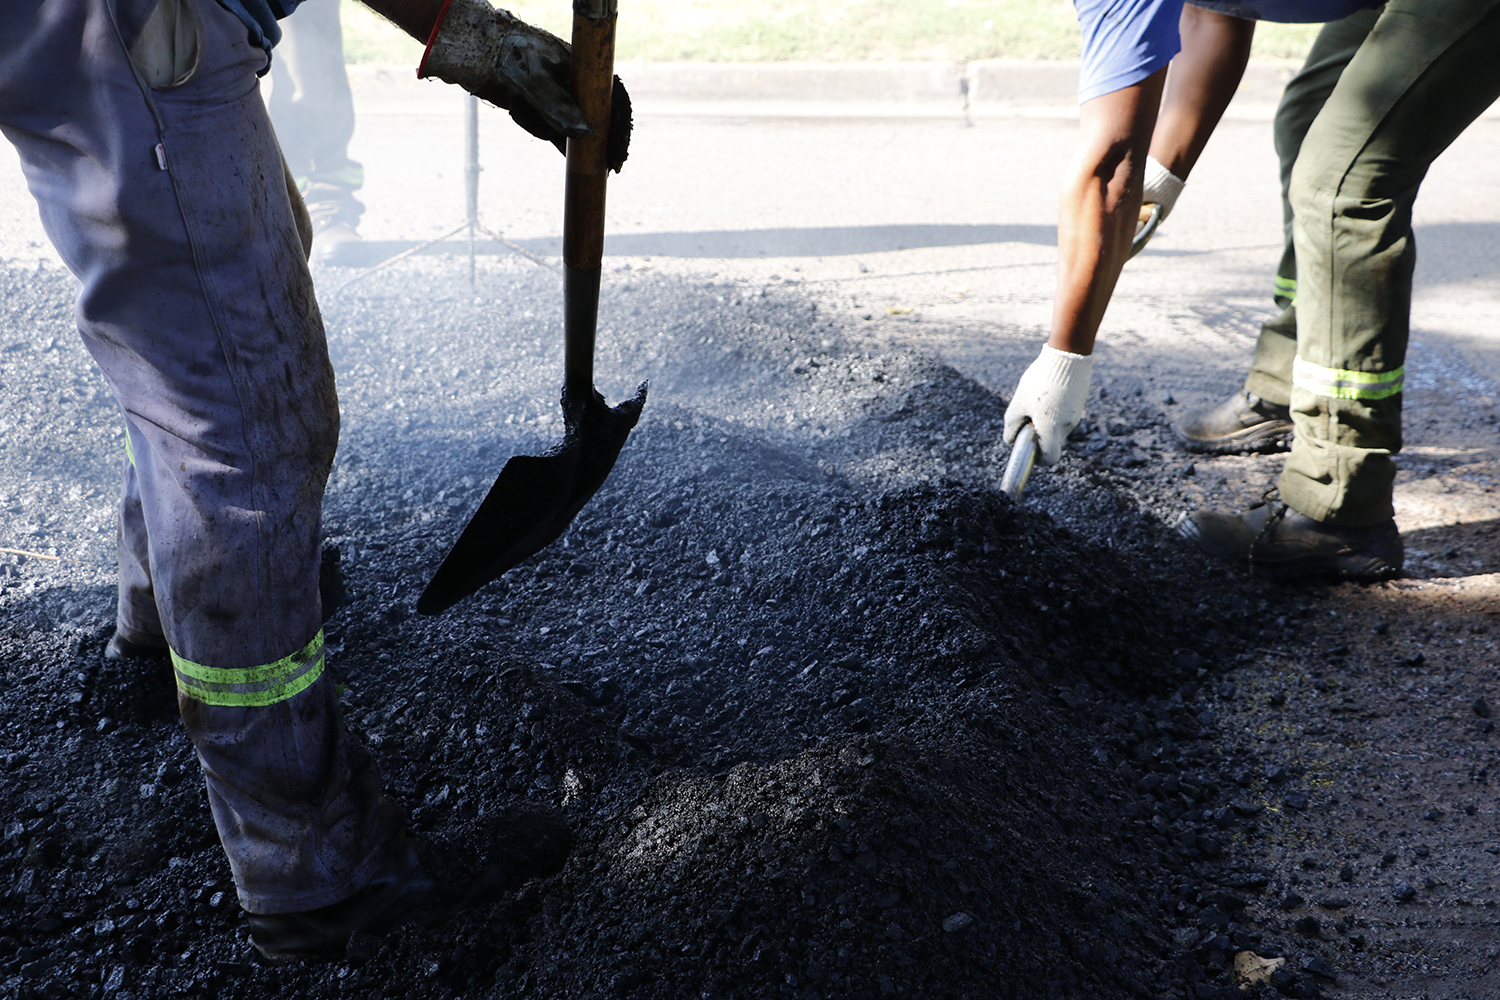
(170, 205)
(1270, 375)
(312, 108)
(1426, 70)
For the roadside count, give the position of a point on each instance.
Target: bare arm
(1203, 78)
(1101, 197)
(1100, 207)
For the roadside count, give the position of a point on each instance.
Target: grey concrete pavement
(938, 227)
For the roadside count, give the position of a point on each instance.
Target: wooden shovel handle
(588, 158)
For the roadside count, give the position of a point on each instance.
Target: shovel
(535, 498)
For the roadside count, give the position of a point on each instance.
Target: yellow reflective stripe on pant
(1286, 288)
(1340, 383)
(251, 687)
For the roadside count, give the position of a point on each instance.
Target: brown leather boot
(1241, 425)
(1283, 544)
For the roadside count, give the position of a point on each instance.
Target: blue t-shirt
(1125, 41)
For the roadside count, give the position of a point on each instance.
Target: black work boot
(1241, 425)
(427, 883)
(399, 894)
(1283, 544)
(121, 648)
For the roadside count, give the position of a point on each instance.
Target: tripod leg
(471, 175)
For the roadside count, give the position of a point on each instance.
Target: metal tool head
(1023, 455)
(535, 498)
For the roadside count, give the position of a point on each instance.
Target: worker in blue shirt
(144, 139)
(1127, 47)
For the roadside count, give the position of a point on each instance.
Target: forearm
(415, 17)
(1101, 199)
(1203, 79)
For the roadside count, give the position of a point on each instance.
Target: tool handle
(583, 201)
(588, 157)
(1023, 455)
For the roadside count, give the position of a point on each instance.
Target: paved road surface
(942, 230)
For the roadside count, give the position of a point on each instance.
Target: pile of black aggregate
(829, 716)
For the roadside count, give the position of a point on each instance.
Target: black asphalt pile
(828, 715)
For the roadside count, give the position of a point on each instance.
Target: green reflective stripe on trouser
(252, 686)
(1286, 288)
(1340, 383)
(129, 448)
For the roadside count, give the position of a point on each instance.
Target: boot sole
(1354, 570)
(1262, 439)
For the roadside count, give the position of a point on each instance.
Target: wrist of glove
(499, 58)
(1162, 187)
(1052, 395)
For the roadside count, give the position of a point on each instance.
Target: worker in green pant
(1422, 73)
(1258, 418)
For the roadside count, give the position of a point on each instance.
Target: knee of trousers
(1306, 194)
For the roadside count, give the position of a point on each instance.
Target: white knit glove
(1052, 395)
(1162, 187)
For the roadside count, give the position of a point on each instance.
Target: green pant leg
(1301, 101)
(1270, 375)
(1427, 70)
(1271, 372)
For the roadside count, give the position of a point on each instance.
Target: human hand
(499, 58)
(1052, 396)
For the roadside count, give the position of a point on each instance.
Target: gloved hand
(1052, 395)
(499, 58)
(1157, 198)
(1162, 187)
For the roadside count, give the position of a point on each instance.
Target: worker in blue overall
(144, 139)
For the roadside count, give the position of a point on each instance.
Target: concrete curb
(981, 89)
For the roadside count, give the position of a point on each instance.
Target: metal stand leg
(471, 208)
(471, 176)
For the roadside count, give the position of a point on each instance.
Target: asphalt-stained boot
(121, 648)
(426, 883)
(1283, 544)
(1241, 425)
(400, 894)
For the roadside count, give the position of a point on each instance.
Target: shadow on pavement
(824, 241)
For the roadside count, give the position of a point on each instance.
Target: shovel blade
(534, 499)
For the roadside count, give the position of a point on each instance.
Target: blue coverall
(166, 195)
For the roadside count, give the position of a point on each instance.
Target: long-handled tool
(1145, 227)
(536, 497)
(1022, 459)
